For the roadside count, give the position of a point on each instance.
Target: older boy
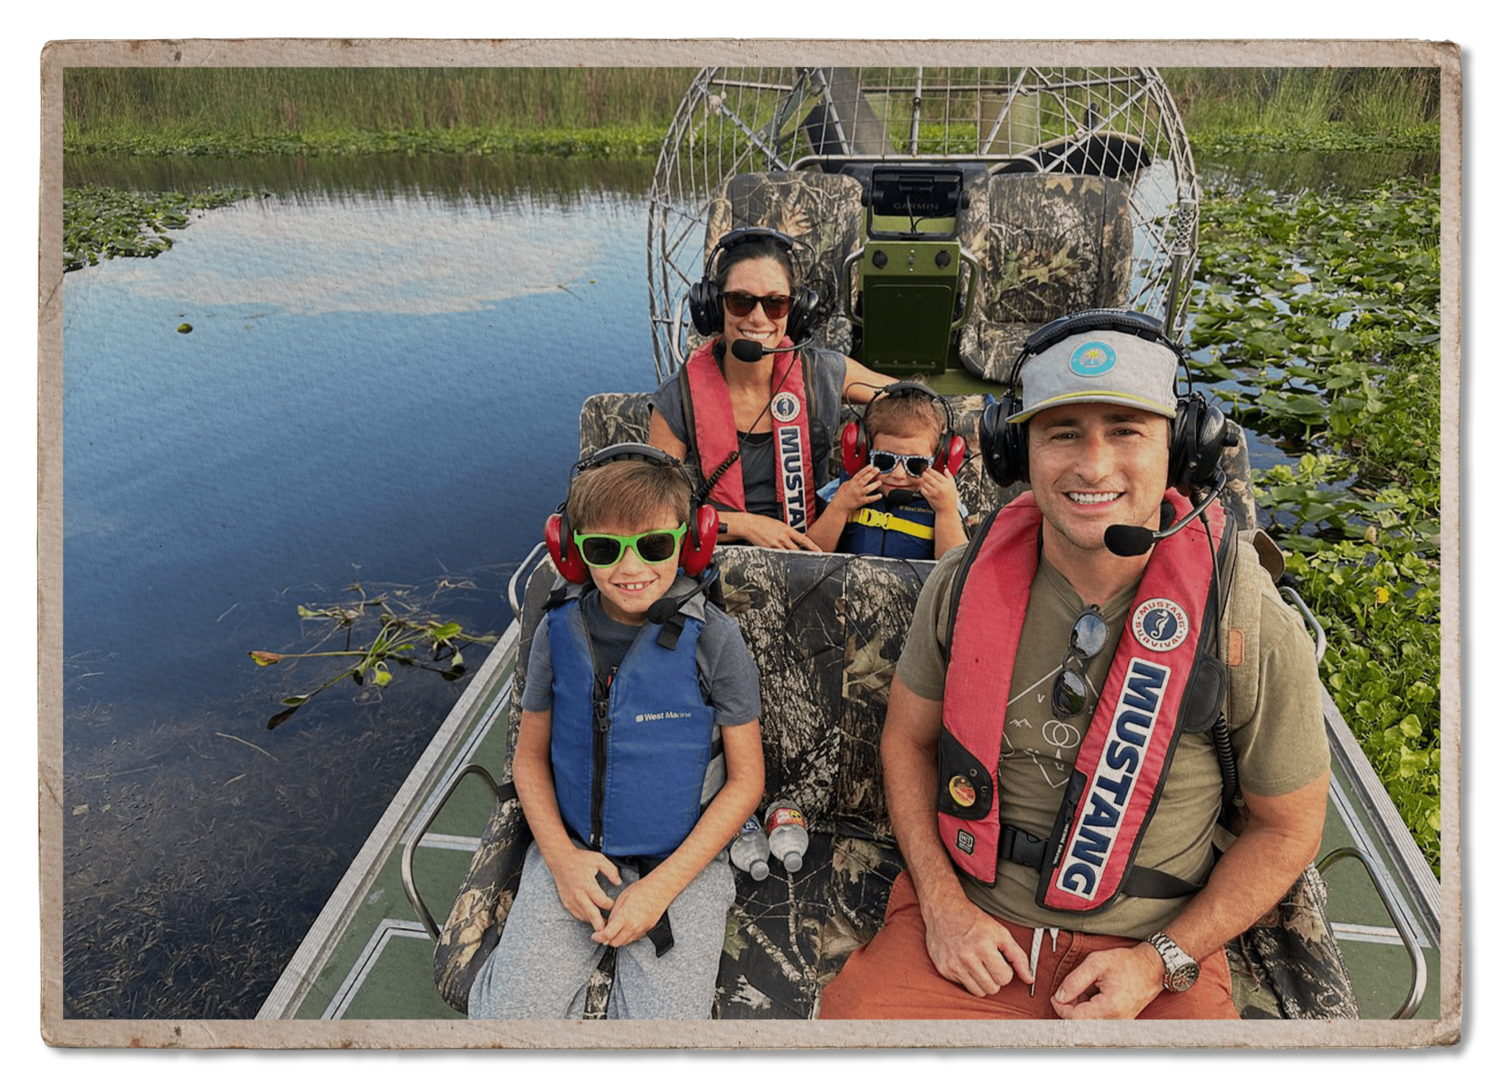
(624, 828)
(903, 501)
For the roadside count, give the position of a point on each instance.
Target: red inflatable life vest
(1123, 759)
(716, 439)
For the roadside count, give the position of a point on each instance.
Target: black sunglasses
(1070, 690)
(742, 304)
(603, 549)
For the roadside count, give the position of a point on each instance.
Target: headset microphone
(750, 351)
(1128, 541)
(669, 606)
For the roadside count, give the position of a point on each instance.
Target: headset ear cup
(801, 314)
(564, 555)
(952, 459)
(853, 448)
(1198, 434)
(1002, 445)
(698, 546)
(706, 306)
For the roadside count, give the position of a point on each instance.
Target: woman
(759, 431)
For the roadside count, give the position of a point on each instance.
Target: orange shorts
(894, 978)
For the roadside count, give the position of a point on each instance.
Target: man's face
(1092, 466)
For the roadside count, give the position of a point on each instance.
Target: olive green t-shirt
(1279, 743)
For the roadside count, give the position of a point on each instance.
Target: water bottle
(750, 850)
(787, 827)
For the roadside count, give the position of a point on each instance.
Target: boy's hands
(634, 913)
(859, 490)
(576, 875)
(940, 489)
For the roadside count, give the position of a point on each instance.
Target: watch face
(1182, 978)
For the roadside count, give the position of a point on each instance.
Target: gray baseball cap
(1100, 367)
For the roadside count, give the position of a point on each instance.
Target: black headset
(706, 297)
(703, 520)
(854, 443)
(1199, 431)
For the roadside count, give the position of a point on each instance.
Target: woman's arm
(861, 383)
(662, 437)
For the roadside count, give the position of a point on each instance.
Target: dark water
(381, 388)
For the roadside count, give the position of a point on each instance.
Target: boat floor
(368, 956)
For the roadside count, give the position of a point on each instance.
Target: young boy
(902, 502)
(622, 836)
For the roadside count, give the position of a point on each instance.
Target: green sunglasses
(601, 550)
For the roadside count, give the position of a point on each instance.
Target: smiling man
(1049, 750)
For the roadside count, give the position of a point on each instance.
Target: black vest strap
(1019, 847)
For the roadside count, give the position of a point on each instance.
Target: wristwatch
(1181, 969)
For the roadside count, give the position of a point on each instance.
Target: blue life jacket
(633, 755)
(884, 528)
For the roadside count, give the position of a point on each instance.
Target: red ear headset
(706, 297)
(703, 520)
(1199, 432)
(854, 443)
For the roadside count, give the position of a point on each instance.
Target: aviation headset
(1198, 432)
(854, 443)
(703, 520)
(706, 297)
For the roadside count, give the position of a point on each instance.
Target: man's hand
(971, 948)
(1114, 984)
(576, 874)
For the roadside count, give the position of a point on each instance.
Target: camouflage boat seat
(1056, 244)
(607, 418)
(826, 631)
(821, 211)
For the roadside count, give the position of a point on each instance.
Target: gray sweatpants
(541, 968)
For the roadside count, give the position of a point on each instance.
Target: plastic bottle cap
(760, 870)
(793, 862)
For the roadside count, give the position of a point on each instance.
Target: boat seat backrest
(1056, 244)
(821, 211)
(607, 418)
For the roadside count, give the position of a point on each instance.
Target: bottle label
(785, 817)
(752, 826)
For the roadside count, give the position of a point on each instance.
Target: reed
(1370, 100)
(258, 102)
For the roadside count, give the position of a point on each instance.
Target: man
(1048, 750)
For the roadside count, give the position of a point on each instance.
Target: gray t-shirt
(824, 372)
(726, 671)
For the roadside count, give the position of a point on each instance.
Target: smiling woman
(720, 415)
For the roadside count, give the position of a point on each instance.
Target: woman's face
(761, 277)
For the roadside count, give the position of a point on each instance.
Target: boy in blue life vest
(896, 496)
(637, 761)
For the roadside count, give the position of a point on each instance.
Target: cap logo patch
(1160, 625)
(1092, 359)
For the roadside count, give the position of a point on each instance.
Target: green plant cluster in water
(1330, 307)
(108, 223)
(615, 142)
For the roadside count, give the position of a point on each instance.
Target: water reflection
(374, 389)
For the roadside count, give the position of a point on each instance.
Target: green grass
(117, 104)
